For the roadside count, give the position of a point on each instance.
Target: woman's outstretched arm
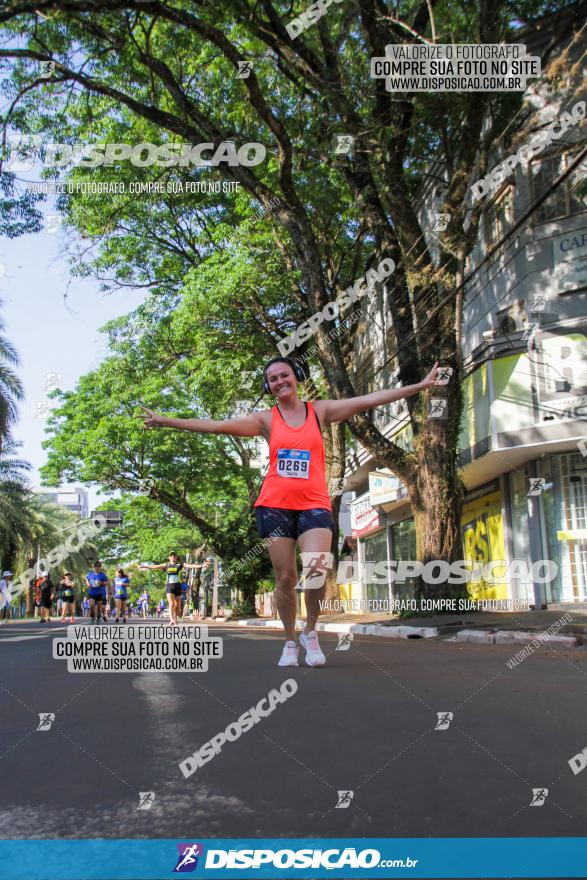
(249, 426)
(341, 410)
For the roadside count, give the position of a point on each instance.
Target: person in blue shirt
(121, 582)
(184, 596)
(97, 582)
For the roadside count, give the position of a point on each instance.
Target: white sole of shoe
(321, 662)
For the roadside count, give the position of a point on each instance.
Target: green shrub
(266, 586)
(242, 609)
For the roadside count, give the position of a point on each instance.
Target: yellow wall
(483, 541)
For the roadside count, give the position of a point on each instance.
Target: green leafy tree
(207, 481)
(14, 503)
(18, 212)
(30, 526)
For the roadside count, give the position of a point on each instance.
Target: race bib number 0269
(293, 463)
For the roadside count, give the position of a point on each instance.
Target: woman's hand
(431, 378)
(152, 420)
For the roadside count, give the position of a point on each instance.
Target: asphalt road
(365, 723)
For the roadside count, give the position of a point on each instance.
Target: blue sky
(50, 335)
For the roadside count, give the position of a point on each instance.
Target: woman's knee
(286, 581)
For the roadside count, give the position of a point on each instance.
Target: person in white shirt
(5, 596)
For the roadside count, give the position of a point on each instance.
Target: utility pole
(215, 589)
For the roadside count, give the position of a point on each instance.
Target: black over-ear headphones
(297, 369)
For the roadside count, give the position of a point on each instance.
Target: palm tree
(48, 526)
(14, 499)
(29, 522)
(11, 389)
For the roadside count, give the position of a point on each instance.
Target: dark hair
(97, 562)
(173, 553)
(296, 368)
(122, 572)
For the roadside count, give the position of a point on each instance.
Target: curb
(477, 636)
(363, 629)
(512, 637)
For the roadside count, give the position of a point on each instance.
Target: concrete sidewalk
(569, 622)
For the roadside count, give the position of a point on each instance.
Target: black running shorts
(277, 522)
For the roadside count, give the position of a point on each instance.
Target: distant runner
(5, 596)
(97, 582)
(67, 595)
(172, 569)
(144, 603)
(121, 582)
(184, 596)
(45, 598)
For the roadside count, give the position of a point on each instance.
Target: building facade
(523, 443)
(74, 498)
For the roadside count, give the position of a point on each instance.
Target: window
(565, 520)
(376, 551)
(499, 216)
(404, 548)
(474, 257)
(511, 319)
(570, 197)
(391, 412)
(364, 377)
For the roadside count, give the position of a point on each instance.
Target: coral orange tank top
(296, 479)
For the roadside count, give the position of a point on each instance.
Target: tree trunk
(436, 492)
(334, 449)
(436, 506)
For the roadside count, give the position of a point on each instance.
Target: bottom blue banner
(376, 857)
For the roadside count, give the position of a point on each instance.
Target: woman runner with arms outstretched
(173, 589)
(294, 505)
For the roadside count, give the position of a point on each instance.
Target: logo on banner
(187, 860)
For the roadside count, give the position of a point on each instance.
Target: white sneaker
(314, 654)
(290, 655)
